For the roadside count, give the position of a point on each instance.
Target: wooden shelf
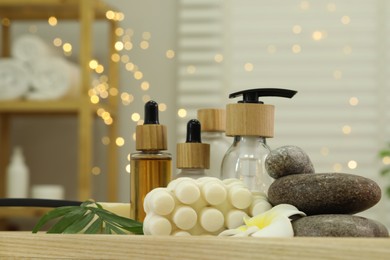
(56, 106)
(84, 12)
(70, 106)
(43, 9)
(16, 212)
(55, 246)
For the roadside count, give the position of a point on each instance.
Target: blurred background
(190, 54)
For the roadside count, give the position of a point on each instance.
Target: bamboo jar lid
(212, 119)
(193, 156)
(151, 137)
(248, 119)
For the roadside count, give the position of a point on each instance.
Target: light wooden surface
(84, 12)
(41, 246)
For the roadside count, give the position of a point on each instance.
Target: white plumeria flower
(272, 223)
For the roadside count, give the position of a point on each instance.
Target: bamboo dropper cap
(212, 119)
(151, 135)
(193, 154)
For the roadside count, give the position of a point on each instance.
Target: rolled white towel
(53, 78)
(14, 79)
(30, 47)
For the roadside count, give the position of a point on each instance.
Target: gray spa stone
(287, 160)
(338, 226)
(325, 193)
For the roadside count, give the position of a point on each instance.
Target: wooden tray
(56, 246)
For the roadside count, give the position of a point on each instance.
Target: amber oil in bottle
(150, 167)
(152, 170)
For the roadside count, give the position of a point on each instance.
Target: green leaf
(55, 213)
(385, 171)
(78, 226)
(106, 229)
(384, 153)
(95, 227)
(98, 205)
(87, 203)
(116, 229)
(135, 230)
(118, 219)
(388, 191)
(68, 220)
(124, 223)
(78, 218)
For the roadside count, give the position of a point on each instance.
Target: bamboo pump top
(151, 136)
(212, 119)
(193, 154)
(250, 116)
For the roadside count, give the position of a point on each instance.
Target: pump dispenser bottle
(250, 122)
(150, 167)
(213, 124)
(193, 157)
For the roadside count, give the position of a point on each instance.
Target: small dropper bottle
(213, 122)
(193, 157)
(150, 167)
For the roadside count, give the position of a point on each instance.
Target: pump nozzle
(193, 131)
(151, 113)
(252, 95)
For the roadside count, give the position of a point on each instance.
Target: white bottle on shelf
(17, 175)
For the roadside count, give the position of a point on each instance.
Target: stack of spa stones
(328, 199)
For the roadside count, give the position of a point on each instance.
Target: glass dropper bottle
(150, 167)
(193, 156)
